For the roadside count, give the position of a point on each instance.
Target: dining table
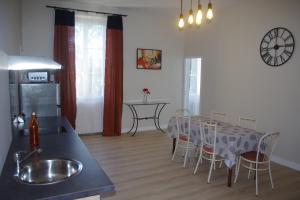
(231, 140)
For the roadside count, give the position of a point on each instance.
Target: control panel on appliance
(38, 76)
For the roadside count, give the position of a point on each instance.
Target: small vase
(145, 98)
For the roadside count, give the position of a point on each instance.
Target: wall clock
(277, 46)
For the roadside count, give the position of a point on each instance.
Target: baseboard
(287, 163)
(145, 128)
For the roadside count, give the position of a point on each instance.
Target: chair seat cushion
(251, 155)
(183, 137)
(208, 149)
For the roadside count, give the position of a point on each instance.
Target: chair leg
(201, 153)
(211, 168)
(220, 164)
(271, 179)
(198, 162)
(256, 181)
(175, 151)
(214, 166)
(237, 169)
(249, 171)
(186, 155)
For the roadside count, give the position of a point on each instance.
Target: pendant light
(199, 14)
(209, 14)
(181, 20)
(191, 16)
(199, 17)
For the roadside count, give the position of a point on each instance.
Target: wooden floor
(141, 168)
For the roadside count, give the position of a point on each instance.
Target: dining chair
(208, 133)
(259, 160)
(183, 129)
(246, 122)
(218, 116)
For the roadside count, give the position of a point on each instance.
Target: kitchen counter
(62, 143)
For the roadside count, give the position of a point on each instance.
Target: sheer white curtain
(90, 32)
(192, 85)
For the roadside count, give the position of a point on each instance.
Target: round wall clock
(277, 46)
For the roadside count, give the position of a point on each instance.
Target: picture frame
(149, 59)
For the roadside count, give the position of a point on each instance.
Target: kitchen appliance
(42, 98)
(33, 87)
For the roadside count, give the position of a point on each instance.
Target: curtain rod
(105, 13)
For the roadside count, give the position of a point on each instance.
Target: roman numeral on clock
(289, 45)
(275, 61)
(288, 37)
(288, 53)
(269, 60)
(266, 55)
(270, 35)
(276, 32)
(264, 49)
(282, 59)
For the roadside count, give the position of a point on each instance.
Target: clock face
(277, 46)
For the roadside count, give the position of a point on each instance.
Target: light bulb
(191, 17)
(209, 14)
(199, 15)
(181, 22)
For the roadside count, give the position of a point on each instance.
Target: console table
(157, 105)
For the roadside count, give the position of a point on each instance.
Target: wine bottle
(34, 132)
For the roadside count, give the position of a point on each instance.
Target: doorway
(192, 85)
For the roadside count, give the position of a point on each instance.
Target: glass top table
(158, 106)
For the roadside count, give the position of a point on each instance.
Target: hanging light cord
(181, 7)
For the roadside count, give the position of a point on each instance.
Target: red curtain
(113, 89)
(64, 53)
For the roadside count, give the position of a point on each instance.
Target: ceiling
(156, 3)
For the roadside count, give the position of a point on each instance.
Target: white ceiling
(156, 3)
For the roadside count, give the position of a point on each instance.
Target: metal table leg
(137, 120)
(158, 116)
(133, 118)
(154, 118)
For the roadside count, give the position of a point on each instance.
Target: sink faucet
(18, 157)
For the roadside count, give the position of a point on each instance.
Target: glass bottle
(34, 132)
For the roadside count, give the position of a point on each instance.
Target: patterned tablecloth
(232, 140)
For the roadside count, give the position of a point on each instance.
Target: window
(192, 78)
(90, 55)
(90, 30)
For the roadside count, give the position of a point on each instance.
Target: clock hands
(276, 46)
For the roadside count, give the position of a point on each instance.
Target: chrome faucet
(18, 157)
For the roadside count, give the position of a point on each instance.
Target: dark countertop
(61, 144)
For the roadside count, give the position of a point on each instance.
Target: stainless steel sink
(50, 171)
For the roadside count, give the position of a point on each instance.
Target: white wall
(153, 29)
(10, 36)
(10, 23)
(38, 24)
(237, 81)
(143, 28)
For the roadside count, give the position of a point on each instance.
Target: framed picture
(148, 59)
